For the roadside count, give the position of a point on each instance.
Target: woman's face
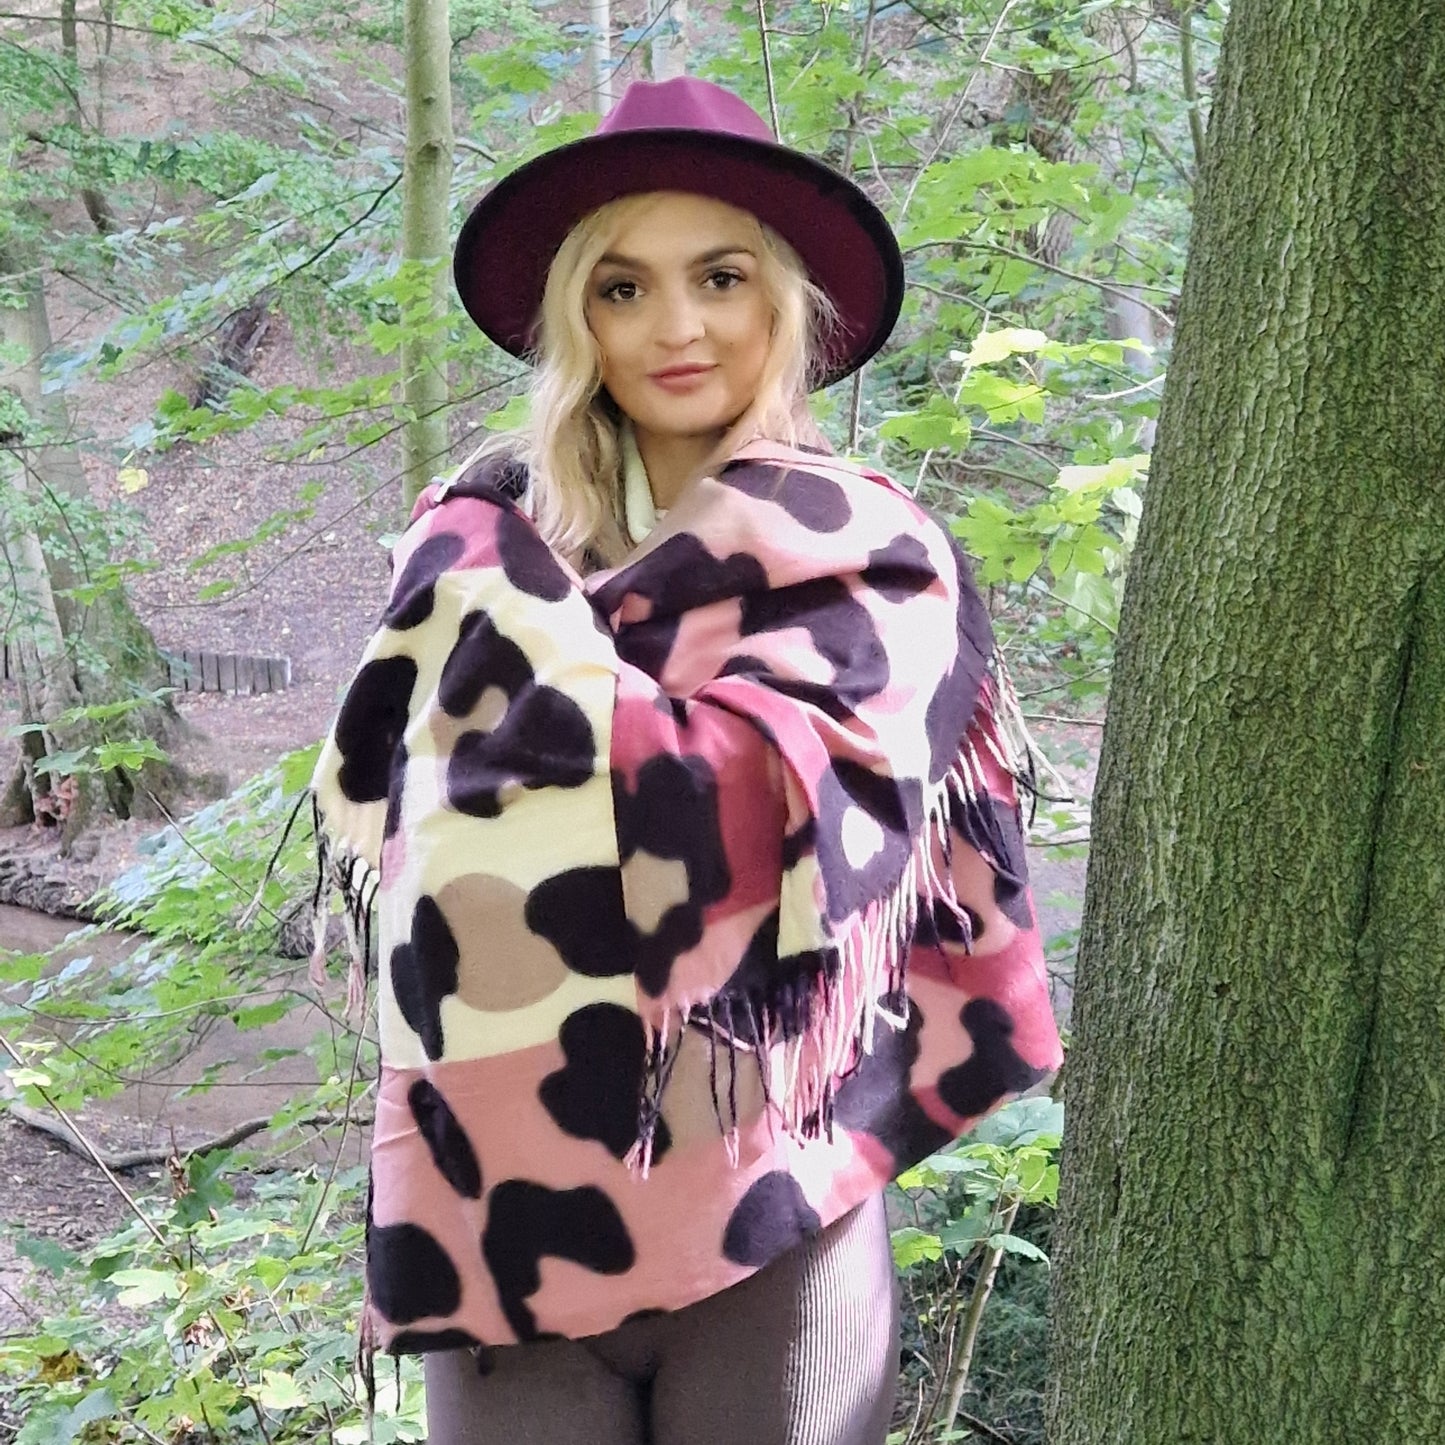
(681, 316)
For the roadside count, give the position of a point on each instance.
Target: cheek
(751, 337)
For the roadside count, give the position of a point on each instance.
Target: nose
(679, 318)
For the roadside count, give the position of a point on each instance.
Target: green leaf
(1021, 1122)
(145, 1286)
(964, 1233)
(1094, 598)
(45, 1252)
(297, 768)
(937, 424)
(131, 754)
(1109, 477)
(1012, 1244)
(63, 762)
(1003, 400)
(510, 416)
(279, 1391)
(992, 346)
(262, 1014)
(60, 1424)
(911, 1246)
(24, 1077)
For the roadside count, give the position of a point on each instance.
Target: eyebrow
(612, 258)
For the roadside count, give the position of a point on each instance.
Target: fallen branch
(123, 1160)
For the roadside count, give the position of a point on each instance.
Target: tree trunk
(45, 677)
(94, 201)
(72, 652)
(599, 53)
(426, 240)
(669, 38)
(1252, 1231)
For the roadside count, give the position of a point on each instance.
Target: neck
(673, 462)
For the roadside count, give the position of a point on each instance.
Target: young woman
(680, 779)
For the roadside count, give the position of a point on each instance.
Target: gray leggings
(805, 1352)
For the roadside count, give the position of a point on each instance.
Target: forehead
(673, 225)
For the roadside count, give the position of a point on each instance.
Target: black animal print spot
(874, 1099)
(686, 576)
(993, 1069)
(842, 633)
(766, 994)
(691, 577)
(734, 1008)
(771, 1217)
(491, 479)
(991, 825)
(451, 1150)
(580, 914)
(424, 972)
(544, 741)
(399, 759)
(900, 569)
(370, 724)
(819, 503)
(410, 1275)
(527, 1221)
(595, 1094)
(414, 594)
(530, 564)
(480, 658)
(938, 923)
(673, 814)
(421, 1342)
(951, 708)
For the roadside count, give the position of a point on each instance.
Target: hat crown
(684, 103)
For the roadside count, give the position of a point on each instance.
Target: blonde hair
(571, 440)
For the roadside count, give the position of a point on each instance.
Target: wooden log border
(193, 670)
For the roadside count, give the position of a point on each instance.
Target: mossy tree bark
(78, 644)
(426, 240)
(1253, 1217)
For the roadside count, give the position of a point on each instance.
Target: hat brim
(508, 241)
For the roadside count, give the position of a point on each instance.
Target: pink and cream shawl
(698, 886)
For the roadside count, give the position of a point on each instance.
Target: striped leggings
(805, 1352)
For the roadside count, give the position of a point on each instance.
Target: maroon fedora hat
(682, 135)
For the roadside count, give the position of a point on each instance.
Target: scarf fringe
(810, 1031)
(343, 873)
(1011, 744)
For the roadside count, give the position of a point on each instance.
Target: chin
(708, 422)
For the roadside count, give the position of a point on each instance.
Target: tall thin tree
(426, 239)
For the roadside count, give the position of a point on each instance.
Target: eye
(618, 290)
(724, 278)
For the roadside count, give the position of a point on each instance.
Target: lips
(680, 373)
(681, 379)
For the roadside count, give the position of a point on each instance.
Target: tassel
(348, 876)
(366, 1360)
(1011, 743)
